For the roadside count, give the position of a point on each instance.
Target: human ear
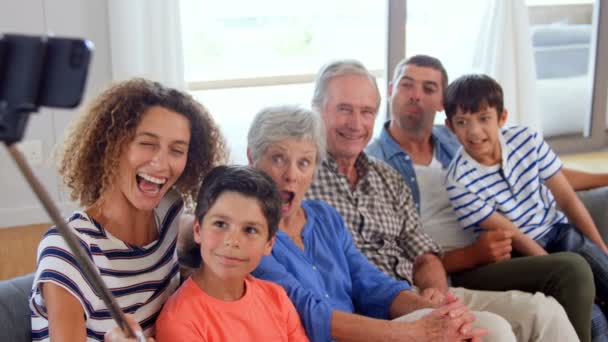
(249, 157)
(448, 124)
(269, 244)
(196, 230)
(502, 118)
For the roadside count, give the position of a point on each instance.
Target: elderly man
(421, 153)
(378, 208)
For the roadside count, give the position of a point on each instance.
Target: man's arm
(573, 208)
(581, 180)
(407, 302)
(429, 273)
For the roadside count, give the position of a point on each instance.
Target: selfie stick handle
(82, 258)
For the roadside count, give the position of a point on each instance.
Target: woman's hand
(117, 335)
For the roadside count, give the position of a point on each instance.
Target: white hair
(335, 69)
(273, 124)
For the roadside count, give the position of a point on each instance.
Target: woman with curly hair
(136, 142)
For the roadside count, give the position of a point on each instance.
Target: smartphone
(39, 71)
(65, 72)
(21, 71)
(43, 71)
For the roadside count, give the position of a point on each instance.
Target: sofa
(15, 321)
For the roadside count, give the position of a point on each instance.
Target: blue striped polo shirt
(515, 188)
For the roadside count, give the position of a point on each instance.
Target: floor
(18, 247)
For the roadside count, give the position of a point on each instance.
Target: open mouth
(476, 143)
(287, 197)
(149, 184)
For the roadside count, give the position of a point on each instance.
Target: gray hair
(273, 124)
(331, 70)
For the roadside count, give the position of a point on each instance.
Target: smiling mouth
(349, 137)
(149, 184)
(231, 259)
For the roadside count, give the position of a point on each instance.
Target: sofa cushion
(15, 318)
(595, 201)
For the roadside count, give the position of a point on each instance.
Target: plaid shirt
(380, 213)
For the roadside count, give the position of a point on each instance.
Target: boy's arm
(491, 246)
(573, 208)
(521, 242)
(580, 180)
(295, 329)
(472, 211)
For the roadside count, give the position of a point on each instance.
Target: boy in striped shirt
(510, 179)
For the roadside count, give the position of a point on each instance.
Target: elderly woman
(338, 293)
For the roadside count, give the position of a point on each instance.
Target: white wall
(77, 18)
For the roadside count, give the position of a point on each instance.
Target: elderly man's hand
(435, 296)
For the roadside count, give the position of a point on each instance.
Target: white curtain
(504, 51)
(145, 40)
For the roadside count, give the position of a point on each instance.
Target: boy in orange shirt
(237, 216)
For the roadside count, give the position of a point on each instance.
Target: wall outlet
(32, 151)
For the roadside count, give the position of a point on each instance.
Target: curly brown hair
(93, 145)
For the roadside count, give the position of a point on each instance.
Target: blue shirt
(329, 274)
(387, 149)
(513, 188)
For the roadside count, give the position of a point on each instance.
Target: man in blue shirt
(421, 152)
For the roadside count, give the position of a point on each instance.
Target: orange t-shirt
(264, 313)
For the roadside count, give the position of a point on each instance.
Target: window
(445, 34)
(240, 55)
(564, 36)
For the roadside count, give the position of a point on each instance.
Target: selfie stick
(82, 258)
(47, 71)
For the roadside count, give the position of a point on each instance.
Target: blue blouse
(329, 274)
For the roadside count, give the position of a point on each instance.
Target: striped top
(515, 188)
(140, 278)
